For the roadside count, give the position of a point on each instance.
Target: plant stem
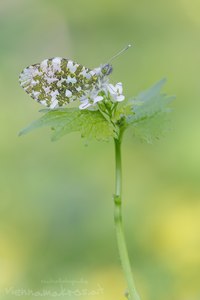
(123, 253)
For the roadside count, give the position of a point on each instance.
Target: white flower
(90, 99)
(87, 102)
(116, 92)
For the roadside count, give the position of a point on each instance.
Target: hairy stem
(123, 253)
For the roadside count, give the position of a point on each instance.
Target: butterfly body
(58, 81)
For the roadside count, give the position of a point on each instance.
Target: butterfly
(58, 81)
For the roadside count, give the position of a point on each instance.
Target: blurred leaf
(91, 124)
(149, 118)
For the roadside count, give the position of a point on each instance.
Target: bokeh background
(56, 210)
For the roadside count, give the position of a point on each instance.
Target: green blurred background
(56, 211)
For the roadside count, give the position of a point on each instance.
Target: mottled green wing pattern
(58, 81)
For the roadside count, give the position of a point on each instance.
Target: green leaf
(149, 117)
(91, 124)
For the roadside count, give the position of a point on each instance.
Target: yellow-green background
(56, 211)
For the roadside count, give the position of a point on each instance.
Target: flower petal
(119, 87)
(97, 99)
(120, 98)
(85, 104)
(111, 88)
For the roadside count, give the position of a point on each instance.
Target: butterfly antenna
(119, 53)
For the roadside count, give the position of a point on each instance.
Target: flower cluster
(113, 92)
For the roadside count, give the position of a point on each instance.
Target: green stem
(132, 293)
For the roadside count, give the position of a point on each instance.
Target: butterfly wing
(58, 81)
